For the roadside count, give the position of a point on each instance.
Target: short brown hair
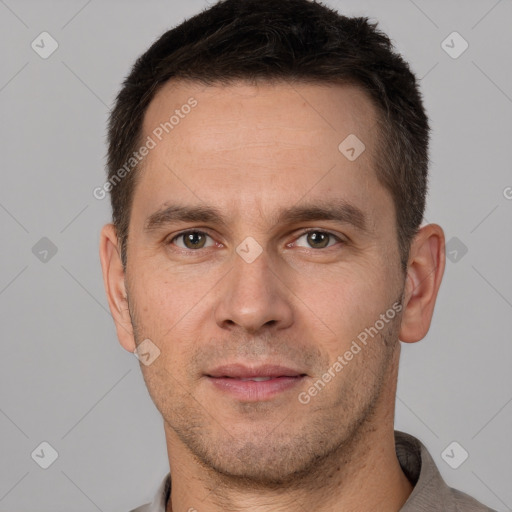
(295, 40)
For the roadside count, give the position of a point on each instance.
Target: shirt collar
(430, 493)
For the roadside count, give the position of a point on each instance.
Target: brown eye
(318, 239)
(191, 239)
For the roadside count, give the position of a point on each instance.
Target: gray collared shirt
(430, 493)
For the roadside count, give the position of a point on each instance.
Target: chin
(250, 467)
(266, 460)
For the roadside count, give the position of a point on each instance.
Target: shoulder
(464, 503)
(430, 492)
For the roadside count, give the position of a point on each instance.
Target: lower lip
(255, 391)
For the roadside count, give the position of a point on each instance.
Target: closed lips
(258, 374)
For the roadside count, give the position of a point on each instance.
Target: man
(268, 173)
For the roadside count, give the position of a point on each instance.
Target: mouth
(253, 384)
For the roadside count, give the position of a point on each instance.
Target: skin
(250, 151)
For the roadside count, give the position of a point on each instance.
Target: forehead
(258, 144)
(260, 110)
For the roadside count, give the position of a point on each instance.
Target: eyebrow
(337, 210)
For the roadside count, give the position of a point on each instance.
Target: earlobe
(114, 282)
(424, 274)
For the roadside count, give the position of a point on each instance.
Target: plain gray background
(66, 381)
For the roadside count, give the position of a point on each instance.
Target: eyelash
(305, 232)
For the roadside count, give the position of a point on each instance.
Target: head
(297, 41)
(244, 111)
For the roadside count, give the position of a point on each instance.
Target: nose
(253, 296)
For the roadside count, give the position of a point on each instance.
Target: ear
(114, 281)
(424, 274)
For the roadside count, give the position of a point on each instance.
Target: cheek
(156, 303)
(167, 311)
(347, 303)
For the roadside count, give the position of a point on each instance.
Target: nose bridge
(252, 267)
(252, 295)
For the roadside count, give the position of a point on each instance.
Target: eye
(192, 239)
(319, 239)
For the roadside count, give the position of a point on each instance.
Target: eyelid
(320, 230)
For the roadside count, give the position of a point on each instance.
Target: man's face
(256, 289)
